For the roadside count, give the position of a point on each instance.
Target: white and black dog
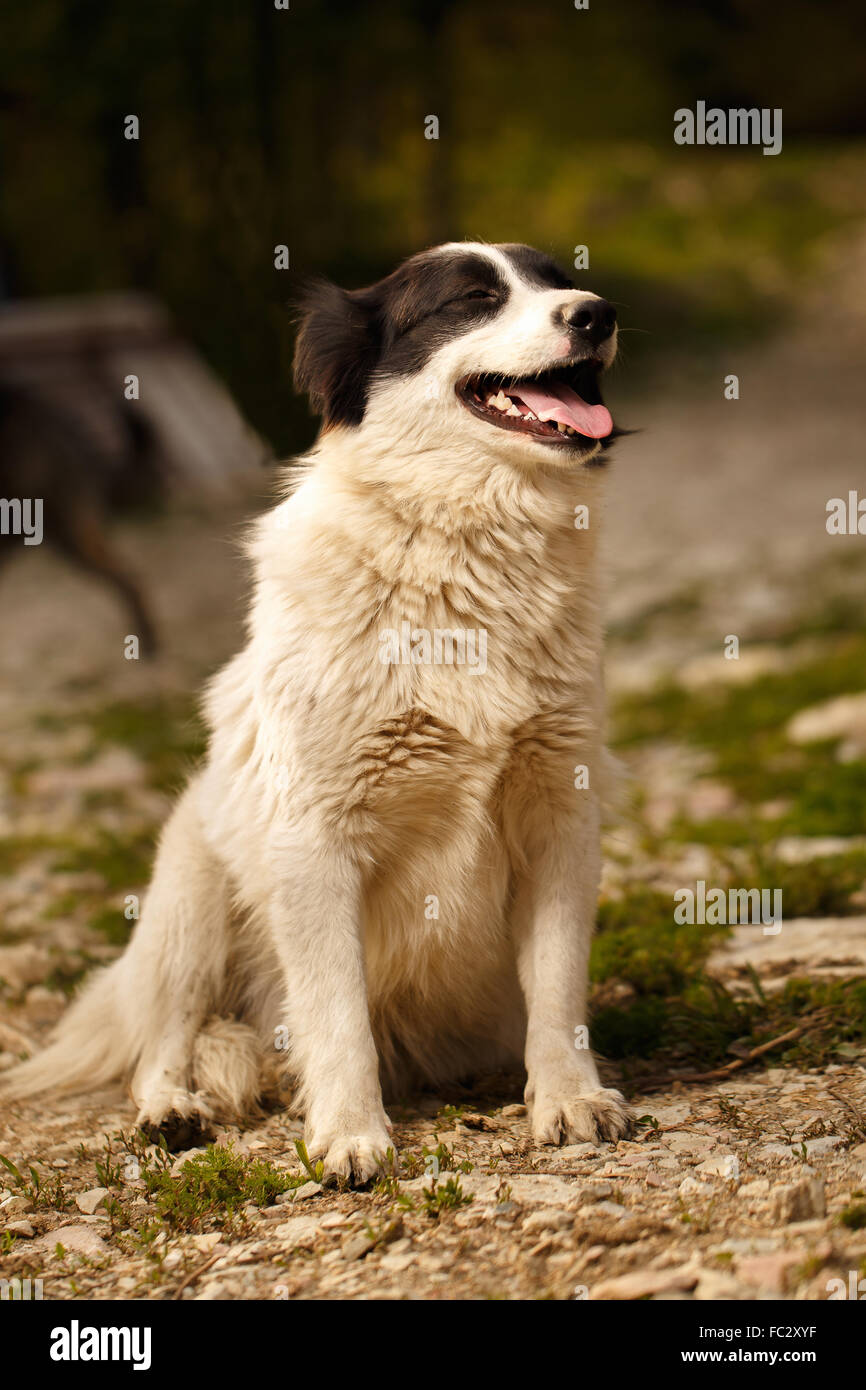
(390, 857)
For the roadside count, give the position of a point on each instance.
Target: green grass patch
(744, 728)
(705, 1026)
(213, 1186)
(854, 1216)
(47, 1194)
(123, 861)
(637, 940)
(111, 923)
(689, 1019)
(818, 888)
(444, 1196)
(166, 733)
(17, 850)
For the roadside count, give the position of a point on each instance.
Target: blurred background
(305, 127)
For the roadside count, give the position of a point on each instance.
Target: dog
(84, 476)
(388, 864)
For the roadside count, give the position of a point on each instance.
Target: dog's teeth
(561, 427)
(491, 401)
(530, 416)
(512, 410)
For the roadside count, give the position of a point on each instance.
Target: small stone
(843, 716)
(654, 1180)
(720, 1166)
(646, 1283)
(208, 1242)
(684, 1142)
(87, 1202)
(689, 1187)
(714, 1285)
(612, 1209)
(512, 1112)
(758, 1187)
(15, 1206)
(23, 1229)
(81, 1240)
(24, 964)
(799, 1201)
(672, 1114)
(771, 1272)
(825, 1144)
(356, 1247)
(596, 1191)
(548, 1219)
(396, 1263)
(301, 1231)
(301, 1194)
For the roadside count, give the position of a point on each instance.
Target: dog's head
(490, 345)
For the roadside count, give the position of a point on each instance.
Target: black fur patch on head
(391, 328)
(535, 267)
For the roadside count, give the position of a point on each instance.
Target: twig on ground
(654, 1083)
(194, 1274)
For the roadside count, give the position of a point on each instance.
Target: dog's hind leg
(175, 977)
(82, 536)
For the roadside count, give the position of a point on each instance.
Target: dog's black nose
(594, 320)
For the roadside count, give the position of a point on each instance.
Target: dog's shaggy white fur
(389, 864)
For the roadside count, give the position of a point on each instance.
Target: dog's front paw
(353, 1158)
(586, 1118)
(181, 1118)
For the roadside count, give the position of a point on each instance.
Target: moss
(112, 924)
(690, 1019)
(637, 940)
(16, 850)
(67, 977)
(65, 906)
(722, 716)
(854, 1216)
(123, 861)
(682, 606)
(166, 733)
(819, 888)
(696, 1028)
(744, 727)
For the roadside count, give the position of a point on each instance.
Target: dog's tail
(91, 1046)
(227, 1067)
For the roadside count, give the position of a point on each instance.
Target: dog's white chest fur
(399, 654)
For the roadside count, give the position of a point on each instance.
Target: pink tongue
(568, 408)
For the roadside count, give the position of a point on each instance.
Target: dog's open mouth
(562, 406)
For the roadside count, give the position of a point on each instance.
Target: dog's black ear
(336, 350)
